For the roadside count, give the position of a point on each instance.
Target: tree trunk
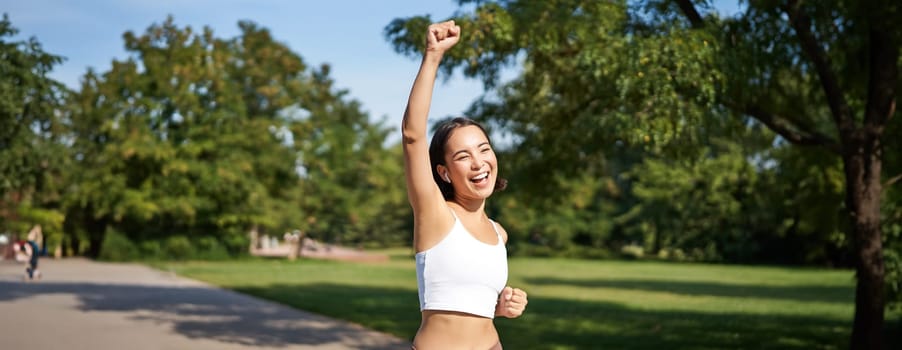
(96, 229)
(862, 162)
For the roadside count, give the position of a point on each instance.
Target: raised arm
(422, 192)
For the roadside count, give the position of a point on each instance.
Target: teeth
(481, 176)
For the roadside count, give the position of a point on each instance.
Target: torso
(428, 234)
(440, 329)
(455, 330)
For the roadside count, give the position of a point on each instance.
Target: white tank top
(461, 273)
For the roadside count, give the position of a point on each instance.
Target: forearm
(414, 124)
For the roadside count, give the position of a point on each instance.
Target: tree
(184, 137)
(31, 152)
(181, 138)
(350, 192)
(819, 74)
(198, 136)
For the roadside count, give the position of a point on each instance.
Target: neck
(470, 205)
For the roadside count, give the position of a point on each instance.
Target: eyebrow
(477, 146)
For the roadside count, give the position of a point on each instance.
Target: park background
(668, 132)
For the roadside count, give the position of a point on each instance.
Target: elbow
(410, 137)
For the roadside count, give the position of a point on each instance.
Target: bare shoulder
(431, 224)
(501, 231)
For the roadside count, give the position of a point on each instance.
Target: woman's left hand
(511, 303)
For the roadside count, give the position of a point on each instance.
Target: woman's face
(470, 163)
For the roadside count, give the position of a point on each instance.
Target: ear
(443, 172)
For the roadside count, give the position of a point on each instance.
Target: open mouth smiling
(480, 178)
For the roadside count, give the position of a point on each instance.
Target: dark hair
(437, 153)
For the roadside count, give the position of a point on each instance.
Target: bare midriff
(440, 330)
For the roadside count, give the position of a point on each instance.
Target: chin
(480, 194)
(485, 193)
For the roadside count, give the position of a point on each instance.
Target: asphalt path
(82, 304)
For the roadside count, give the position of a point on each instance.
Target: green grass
(580, 304)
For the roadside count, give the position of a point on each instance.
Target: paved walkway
(81, 304)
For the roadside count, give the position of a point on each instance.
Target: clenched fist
(442, 36)
(511, 302)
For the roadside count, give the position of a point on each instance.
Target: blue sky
(347, 34)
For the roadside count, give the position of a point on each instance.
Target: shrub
(893, 278)
(152, 250)
(570, 251)
(209, 248)
(235, 242)
(574, 251)
(178, 248)
(117, 247)
(673, 254)
(632, 251)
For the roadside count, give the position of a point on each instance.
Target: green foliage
(29, 102)
(733, 204)
(585, 84)
(151, 250)
(351, 193)
(671, 108)
(575, 222)
(32, 160)
(208, 136)
(117, 247)
(196, 134)
(209, 248)
(172, 136)
(571, 251)
(178, 248)
(893, 277)
(599, 90)
(693, 204)
(632, 251)
(235, 241)
(51, 220)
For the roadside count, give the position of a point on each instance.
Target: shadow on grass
(807, 293)
(551, 323)
(202, 313)
(608, 325)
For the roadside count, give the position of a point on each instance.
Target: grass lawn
(580, 304)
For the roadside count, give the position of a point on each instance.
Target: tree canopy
(673, 77)
(193, 140)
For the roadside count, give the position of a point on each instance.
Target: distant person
(461, 257)
(32, 250)
(6, 249)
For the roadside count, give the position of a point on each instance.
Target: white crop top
(461, 273)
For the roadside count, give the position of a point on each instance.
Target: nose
(477, 163)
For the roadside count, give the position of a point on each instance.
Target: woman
(461, 259)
